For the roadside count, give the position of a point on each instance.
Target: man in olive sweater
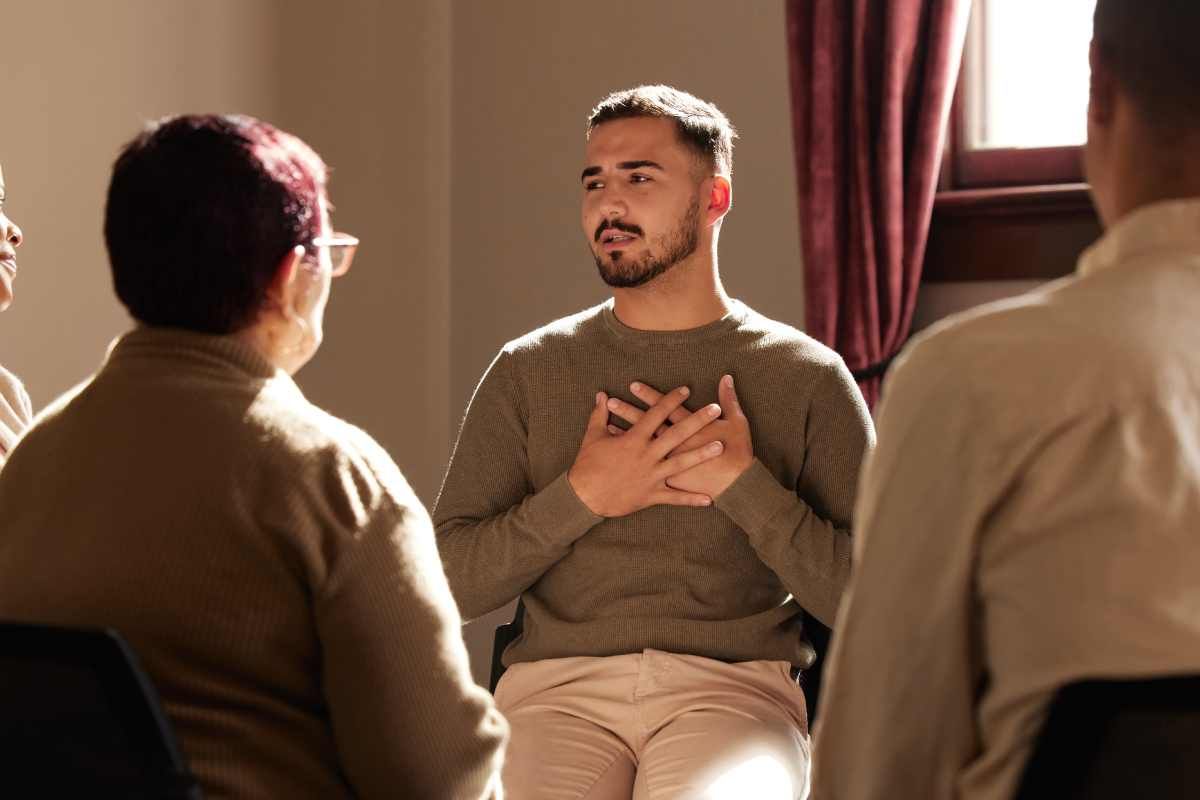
(668, 557)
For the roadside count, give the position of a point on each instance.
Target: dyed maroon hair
(201, 212)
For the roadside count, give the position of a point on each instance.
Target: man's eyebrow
(640, 165)
(624, 165)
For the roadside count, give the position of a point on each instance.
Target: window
(1020, 111)
(1011, 203)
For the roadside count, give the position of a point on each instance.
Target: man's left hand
(732, 429)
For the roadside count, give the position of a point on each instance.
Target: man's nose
(13, 235)
(613, 205)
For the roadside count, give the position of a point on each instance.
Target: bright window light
(762, 778)
(1027, 73)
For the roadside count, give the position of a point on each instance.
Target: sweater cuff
(560, 511)
(754, 499)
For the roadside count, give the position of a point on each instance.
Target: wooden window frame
(976, 169)
(1006, 214)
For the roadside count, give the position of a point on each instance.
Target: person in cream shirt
(15, 410)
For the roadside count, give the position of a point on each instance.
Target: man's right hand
(618, 475)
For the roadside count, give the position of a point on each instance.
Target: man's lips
(616, 240)
(615, 229)
(9, 263)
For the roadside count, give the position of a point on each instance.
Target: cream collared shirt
(16, 413)
(1030, 517)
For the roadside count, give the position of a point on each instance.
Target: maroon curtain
(872, 82)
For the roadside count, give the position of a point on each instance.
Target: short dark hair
(700, 125)
(201, 211)
(1153, 48)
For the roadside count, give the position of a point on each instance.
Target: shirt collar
(1164, 226)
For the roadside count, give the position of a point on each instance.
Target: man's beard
(625, 273)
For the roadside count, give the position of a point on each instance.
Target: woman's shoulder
(328, 453)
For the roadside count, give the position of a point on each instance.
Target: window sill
(1062, 198)
(1003, 234)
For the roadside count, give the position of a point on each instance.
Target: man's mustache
(617, 225)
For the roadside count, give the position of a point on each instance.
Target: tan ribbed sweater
(731, 581)
(268, 563)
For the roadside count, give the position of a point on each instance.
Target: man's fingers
(667, 496)
(598, 420)
(728, 398)
(649, 395)
(678, 434)
(629, 413)
(690, 458)
(614, 430)
(653, 419)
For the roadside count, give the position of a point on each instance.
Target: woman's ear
(282, 288)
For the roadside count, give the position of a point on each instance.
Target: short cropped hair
(1153, 48)
(201, 211)
(700, 125)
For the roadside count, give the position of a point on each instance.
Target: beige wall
(79, 78)
(367, 86)
(455, 133)
(525, 77)
(377, 107)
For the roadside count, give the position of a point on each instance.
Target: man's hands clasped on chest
(618, 475)
(712, 476)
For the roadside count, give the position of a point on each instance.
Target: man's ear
(720, 199)
(1102, 91)
(282, 287)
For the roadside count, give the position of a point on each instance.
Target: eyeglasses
(341, 247)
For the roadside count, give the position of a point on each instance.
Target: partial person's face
(10, 240)
(1098, 152)
(313, 280)
(643, 198)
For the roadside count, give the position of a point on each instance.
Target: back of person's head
(201, 212)
(700, 125)
(1152, 48)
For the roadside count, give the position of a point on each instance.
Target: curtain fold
(872, 83)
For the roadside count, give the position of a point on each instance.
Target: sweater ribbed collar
(177, 344)
(735, 317)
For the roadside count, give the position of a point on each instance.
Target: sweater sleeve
(408, 719)
(496, 535)
(803, 532)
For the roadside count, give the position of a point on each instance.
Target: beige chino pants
(654, 725)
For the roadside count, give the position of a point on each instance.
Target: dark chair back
(506, 634)
(78, 715)
(1110, 739)
(820, 637)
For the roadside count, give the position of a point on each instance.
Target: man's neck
(1151, 171)
(689, 295)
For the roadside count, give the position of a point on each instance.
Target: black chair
(79, 716)
(506, 634)
(819, 636)
(1110, 739)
